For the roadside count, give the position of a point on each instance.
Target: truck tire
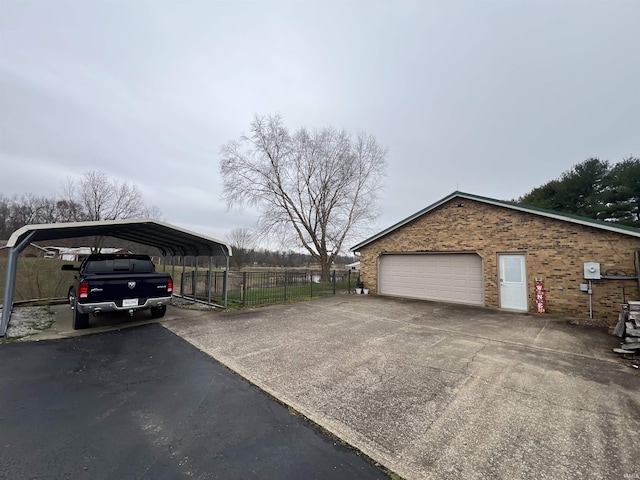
(158, 312)
(80, 320)
(71, 296)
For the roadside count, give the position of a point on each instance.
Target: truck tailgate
(125, 288)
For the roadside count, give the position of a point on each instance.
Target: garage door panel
(444, 277)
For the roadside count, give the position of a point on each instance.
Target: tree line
(247, 253)
(595, 189)
(93, 197)
(245, 259)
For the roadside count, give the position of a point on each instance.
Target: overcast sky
(492, 98)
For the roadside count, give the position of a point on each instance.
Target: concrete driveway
(441, 391)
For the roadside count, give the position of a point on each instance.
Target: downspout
(10, 282)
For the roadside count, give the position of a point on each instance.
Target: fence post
(349, 282)
(285, 285)
(244, 288)
(311, 283)
(194, 281)
(334, 281)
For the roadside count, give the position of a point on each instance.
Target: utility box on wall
(592, 270)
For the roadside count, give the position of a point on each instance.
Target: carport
(169, 239)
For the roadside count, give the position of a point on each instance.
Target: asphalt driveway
(141, 403)
(438, 391)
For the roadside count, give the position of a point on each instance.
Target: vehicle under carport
(170, 240)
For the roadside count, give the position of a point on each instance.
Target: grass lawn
(37, 278)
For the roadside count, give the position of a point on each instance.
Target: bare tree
(98, 197)
(315, 187)
(102, 198)
(241, 240)
(68, 211)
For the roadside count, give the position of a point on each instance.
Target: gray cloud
(493, 98)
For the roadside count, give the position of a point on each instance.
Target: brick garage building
(480, 251)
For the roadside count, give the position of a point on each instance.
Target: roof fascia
(196, 238)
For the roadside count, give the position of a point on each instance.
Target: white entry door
(513, 282)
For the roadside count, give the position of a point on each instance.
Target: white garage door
(450, 277)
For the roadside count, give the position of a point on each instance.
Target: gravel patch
(27, 321)
(190, 304)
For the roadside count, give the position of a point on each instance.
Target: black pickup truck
(109, 283)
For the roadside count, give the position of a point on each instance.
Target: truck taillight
(83, 290)
(170, 285)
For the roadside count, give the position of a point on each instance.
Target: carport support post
(195, 280)
(173, 268)
(10, 282)
(184, 272)
(226, 280)
(209, 280)
(9, 286)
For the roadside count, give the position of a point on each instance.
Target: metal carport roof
(169, 239)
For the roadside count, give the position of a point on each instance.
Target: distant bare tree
(152, 212)
(68, 211)
(94, 197)
(241, 240)
(313, 188)
(97, 197)
(5, 216)
(102, 198)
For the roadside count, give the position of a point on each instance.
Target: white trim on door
(513, 281)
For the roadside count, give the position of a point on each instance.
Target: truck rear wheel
(158, 312)
(80, 320)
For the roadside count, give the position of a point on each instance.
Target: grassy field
(37, 278)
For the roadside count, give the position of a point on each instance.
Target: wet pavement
(141, 403)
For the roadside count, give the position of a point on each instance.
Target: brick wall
(555, 251)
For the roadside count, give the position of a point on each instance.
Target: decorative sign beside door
(540, 306)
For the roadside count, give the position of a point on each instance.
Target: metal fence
(264, 287)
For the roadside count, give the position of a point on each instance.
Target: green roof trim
(567, 217)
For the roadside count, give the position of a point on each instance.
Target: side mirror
(67, 266)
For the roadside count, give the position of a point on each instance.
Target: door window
(512, 269)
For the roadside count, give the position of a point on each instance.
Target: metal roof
(565, 217)
(169, 239)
